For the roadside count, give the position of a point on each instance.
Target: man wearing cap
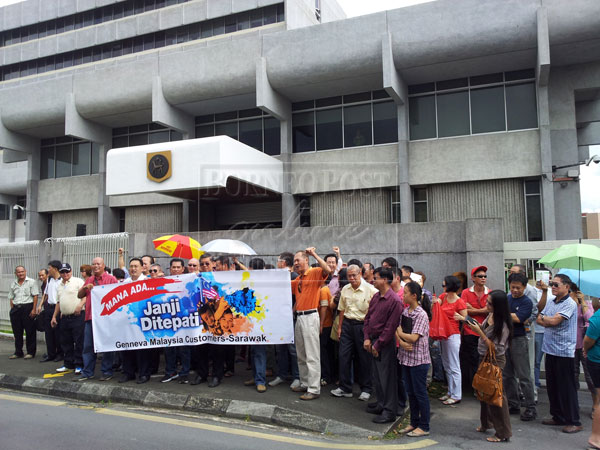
(23, 296)
(69, 309)
(46, 309)
(98, 278)
(476, 300)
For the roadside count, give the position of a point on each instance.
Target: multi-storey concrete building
(436, 112)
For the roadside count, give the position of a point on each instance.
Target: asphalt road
(28, 422)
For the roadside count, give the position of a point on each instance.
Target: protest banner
(233, 307)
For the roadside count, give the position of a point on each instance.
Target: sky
(590, 176)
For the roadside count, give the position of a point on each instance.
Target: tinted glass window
(63, 161)
(534, 218)
(81, 158)
(303, 132)
(251, 133)
(329, 129)
(385, 122)
(422, 117)
(95, 158)
(357, 125)
(453, 114)
(205, 131)
(521, 106)
(487, 109)
(227, 129)
(47, 163)
(272, 136)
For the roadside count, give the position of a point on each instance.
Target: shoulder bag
(487, 382)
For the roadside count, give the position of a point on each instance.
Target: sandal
(417, 432)
(496, 439)
(406, 429)
(451, 401)
(443, 398)
(480, 429)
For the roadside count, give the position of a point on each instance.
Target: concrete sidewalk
(451, 426)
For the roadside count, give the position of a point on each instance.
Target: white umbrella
(230, 246)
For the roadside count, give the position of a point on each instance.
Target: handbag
(439, 327)
(487, 382)
(334, 329)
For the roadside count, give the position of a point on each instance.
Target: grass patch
(437, 389)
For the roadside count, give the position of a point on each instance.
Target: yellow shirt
(66, 295)
(355, 302)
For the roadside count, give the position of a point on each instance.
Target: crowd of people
(354, 325)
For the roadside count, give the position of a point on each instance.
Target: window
(533, 208)
(304, 210)
(253, 127)
(396, 215)
(49, 225)
(360, 119)
(480, 104)
(159, 39)
(67, 156)
(4, 212)
(121, 220)
(420, 204)
(151, 133)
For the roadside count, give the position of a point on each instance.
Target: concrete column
(100, 136)
(166, 114)
(397, 89)
(36, 224)
(484, 239)
(279, 107)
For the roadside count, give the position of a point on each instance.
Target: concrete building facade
(439, 112)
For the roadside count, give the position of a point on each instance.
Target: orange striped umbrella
(178, 246)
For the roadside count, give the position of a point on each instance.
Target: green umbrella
(573, 256)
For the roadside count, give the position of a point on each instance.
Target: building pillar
(279, 107)
(395, 86)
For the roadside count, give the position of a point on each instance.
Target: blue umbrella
(589, 283)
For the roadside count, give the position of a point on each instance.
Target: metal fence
(82, 250)
(11, 255)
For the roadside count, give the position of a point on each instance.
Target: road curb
(236, 409)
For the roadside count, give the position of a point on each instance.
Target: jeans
(89, 356)
(415, 382)
(539, 341)
(184, 353)
(259, 364)
(287, 362)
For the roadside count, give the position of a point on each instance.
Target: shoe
(417, 432)
(551, 422)
(82, 378)
(323, 382)
(198, 380)
(384, 418)
(214, 382)
(143, 379)
(512, 410)
(364, 396)
(46, 359)
(339, 392)
(228, 374)
(295, 384)
(570, 429)
(15, 356)
(528, 415)
(299, 389)
(261, 388)
(371, 405)
(64, 369)
(276, 382)
(169, 377)
(184, 380)
(28, 356)
(59, 358)
(78, 370)
(105, 378)
(375, 410)
(309, 396)
(125, 378)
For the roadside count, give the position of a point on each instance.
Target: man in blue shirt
(560, 337)
(517, 355)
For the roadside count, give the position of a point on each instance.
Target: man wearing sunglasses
(559, 318)
(476, 300)
(309, 316)
(193, 266)
(155, 271)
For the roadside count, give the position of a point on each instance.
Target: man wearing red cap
(476, 300)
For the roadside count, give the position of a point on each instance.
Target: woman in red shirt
(455, 309)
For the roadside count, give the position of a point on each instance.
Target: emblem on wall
(158, 165)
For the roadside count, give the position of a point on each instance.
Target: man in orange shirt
(309, 319)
